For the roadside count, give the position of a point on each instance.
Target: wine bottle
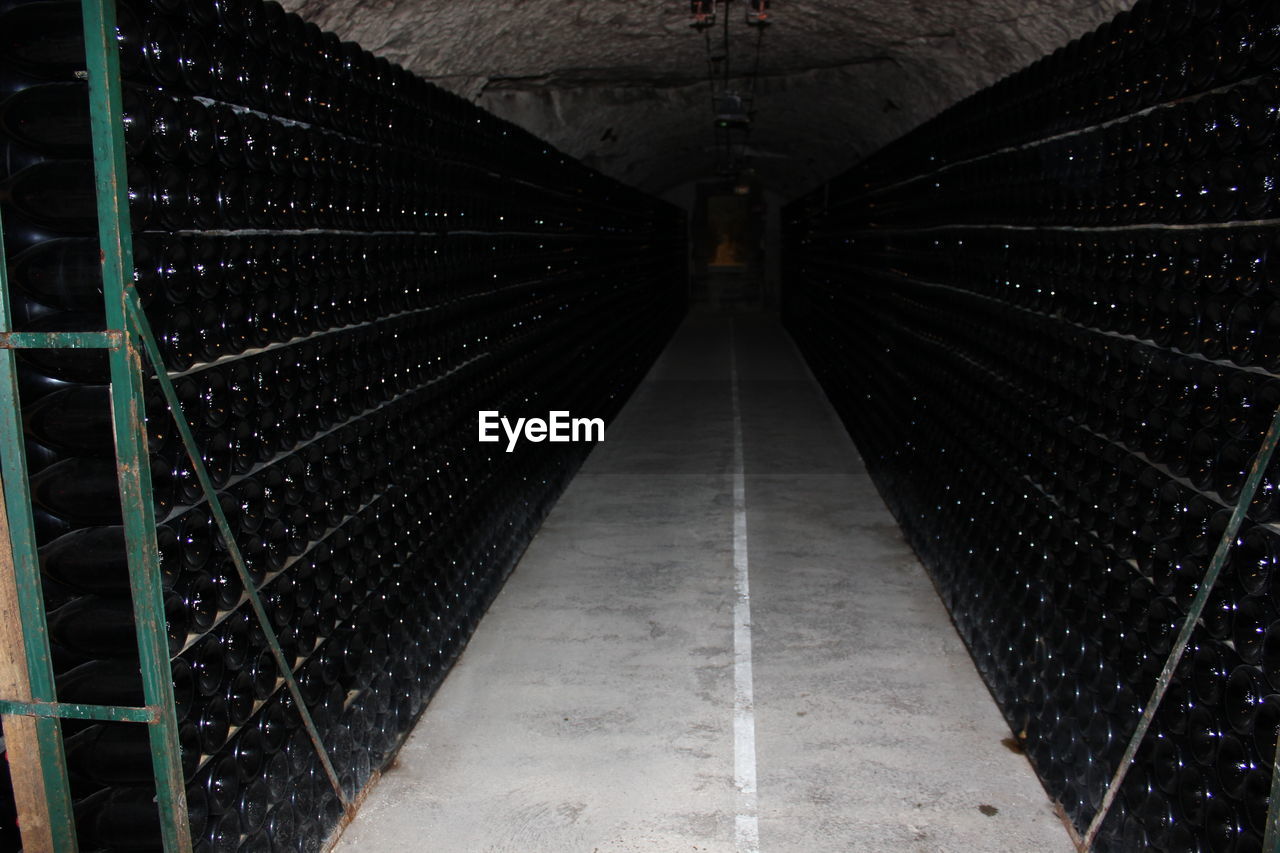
(261, 840)
(121, 818)
(52, 118)
(249, 751)
(105, 627)
(282, 826)
(73, 419)
(117, 682)
(252, 806)
(264, 673)
(1249, 626)
(277, 777)
(117, 754)
(212, 724)
(46, 39)
(221, 785)
(239, 697)
(94, 560)
(82, 492)
(272, 722)
(1243, 698)
(61, 273)
(55, 194)
(237, 639)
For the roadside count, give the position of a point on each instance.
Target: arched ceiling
(622, 84)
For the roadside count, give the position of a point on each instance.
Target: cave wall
(621, 84)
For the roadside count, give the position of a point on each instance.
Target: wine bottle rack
(1049, 319)
(316, 269)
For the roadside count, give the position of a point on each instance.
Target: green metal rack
(32, 718)
(121, 342)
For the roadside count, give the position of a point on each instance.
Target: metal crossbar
(109, 340)
(78, 711)
(142, 330)
(1260, 463)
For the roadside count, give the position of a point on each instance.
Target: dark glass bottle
(80, 492)
(76, 419)
(239, 697)
(221, 784)
(1246, 687)
(223, 833)
(46, 39)
(94, 560)
(199, 599)
(282, 826)
(113, 682)
(264, 672)
(57, 194)
(1266, 722)
(119, 818)
(85, 491)
(208, 665)
(53, 119)
(1235, 763)
(1252, 616)
(213, 724)
(104, 627)
(120, 753)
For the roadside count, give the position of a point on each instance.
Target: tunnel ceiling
(622, 84)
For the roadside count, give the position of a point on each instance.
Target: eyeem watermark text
(559, 427)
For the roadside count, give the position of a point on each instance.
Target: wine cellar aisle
(594, 706)
(310, 313)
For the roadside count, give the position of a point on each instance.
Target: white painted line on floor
(746, 822)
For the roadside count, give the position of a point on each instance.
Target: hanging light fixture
(733, 106)
(732, 111)
(703, 13)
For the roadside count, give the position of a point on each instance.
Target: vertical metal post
(37, 762)
(1271, 840)
(127, 407)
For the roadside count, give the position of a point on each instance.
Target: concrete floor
(594, 709)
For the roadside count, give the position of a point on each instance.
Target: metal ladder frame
(31, 716)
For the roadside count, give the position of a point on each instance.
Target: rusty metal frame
(50, 825)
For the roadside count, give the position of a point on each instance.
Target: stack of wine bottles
(342, 265)
(1050, 318)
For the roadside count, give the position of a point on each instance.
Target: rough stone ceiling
(622, 84)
